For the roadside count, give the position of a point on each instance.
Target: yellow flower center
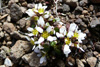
(67, 41)
(45, 34)
(76, 35)
(41, 10)
(35, 32)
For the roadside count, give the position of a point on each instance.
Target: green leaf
(56, 29)
(53, 43)
(46, 47)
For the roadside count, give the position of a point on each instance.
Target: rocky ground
(16, 51)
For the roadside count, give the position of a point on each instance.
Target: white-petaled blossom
(42, 59)
(51, 38)
(81, 36)
(59, 35)
(41, 21)
(37, 50)
(70, 34)
(63, 30)
(39, 29)
(30, 34)
(73, 27)
(30, 12)
(47, 14)
(41, 39)
(49, 29)
(66, 50)
(39, 8)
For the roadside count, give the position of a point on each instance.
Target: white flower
(59, 35)
(30, 12)
(51, 38)
(39, 29)
(47, 14)
(73, 27)
(41, 39)
(81, 36)
(49, 29)
(8, 62)
(39, 8)
(30, 29)
(63, 30)
(66, 50)
(41, 21)
(42, 59)
(70, 34)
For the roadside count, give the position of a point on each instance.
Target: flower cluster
(49, 34)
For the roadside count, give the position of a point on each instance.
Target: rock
(9, 43)
(72, 3)
(16, 12)
(1, 34)
(23, 9)
(91, 7)
(2, 66)
(9, 27)
(8, 62)
(2, 54)
(6, 49)
(94, 22)
(98, 65)
(33, 60)
(78, 20)
(78, 10)
(60, 63)
(79, 63)
(1, 61)
(92, 61)
(18, 36)
(66, 8)
(84, 12)
(70, 62)
(97, 46)
(88, 54)
(95, 1)
(29, 5)
(24, 4)
(19, 49)
(98, 14)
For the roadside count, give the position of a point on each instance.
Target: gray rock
(33, 60)
(2, 66)
(66, 8)
(2, 54)
(97, 46)
(19, 49)
(18, 36)
(60, 63)
(92, 61)
(94, 22)
(9, 27)
(98, 65)
(16, 12)
(1, 34)
(79, 63)
(6, 49)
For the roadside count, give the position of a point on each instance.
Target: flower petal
(66, 50)
(30, 12)
(63, 30)
(39, 29)
(49, 29)
(70, 34)
(30, 29)
(41, 21)
(59, 35)
(50, 38)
